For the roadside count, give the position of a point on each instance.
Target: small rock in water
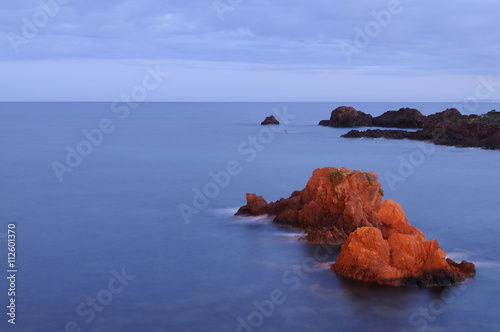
(270, 120)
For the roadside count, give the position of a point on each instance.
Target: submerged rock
(343, 206)
(270, 120)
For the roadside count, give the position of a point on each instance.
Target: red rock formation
(334, 203)
(339, 205)
(399, 255)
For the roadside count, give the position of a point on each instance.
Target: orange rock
(367, 256)
(339, 205)
(400, 260)
(391, 214)
(334, 203)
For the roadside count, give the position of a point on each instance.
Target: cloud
(107, 80)
(450, 37)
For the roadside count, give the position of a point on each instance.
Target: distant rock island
(449, 127)
(270, 120)
(340, 206)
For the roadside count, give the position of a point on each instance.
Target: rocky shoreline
(449, 127)
(340, 206)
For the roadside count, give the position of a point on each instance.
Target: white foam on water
(253, 219)
(461, 255)
(229, 211)
(289, 234)
(487, 264)
(458, 255)
(320, 267)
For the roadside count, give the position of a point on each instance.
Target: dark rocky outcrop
(378, 133)
(460, 133)
(270, 120)
(446, 128)
(348, 117)
(343, 206)
(492, 118)
(345, 117)
(402, 118)
(466, 268)
(448, 115)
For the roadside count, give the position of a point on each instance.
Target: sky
(249, 50)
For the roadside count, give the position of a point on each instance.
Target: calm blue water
(118, 210)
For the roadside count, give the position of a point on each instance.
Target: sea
(123, 220)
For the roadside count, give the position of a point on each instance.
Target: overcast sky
(249, 50)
